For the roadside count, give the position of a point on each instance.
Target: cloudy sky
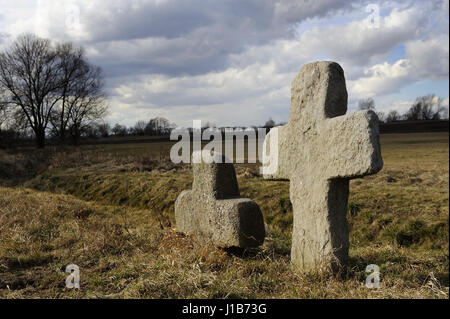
(231, 62)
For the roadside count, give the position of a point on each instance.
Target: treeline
(425, 108)
(49, 89)
(157, 126)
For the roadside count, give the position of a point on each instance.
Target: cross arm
(351, 143)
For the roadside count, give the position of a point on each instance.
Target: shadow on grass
(272, 253)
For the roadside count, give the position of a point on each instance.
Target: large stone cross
(319, 151)
(214, 210)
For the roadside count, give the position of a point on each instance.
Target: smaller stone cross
(214, 210)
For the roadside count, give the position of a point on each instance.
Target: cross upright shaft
(319, 151)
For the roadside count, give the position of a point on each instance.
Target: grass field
(109, 209)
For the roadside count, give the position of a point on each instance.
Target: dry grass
(120, 230)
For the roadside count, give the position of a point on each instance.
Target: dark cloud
(134, 20)
(189, 37)
(215, 59)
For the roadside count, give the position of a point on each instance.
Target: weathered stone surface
(214, 210)
(319, 151)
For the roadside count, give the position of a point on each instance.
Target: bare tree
(393, 116)
(30, 75)
(3, 119)
(73, 66)
(270, 123)
(366, 104)
(139, 128)
(130, 130)
(164, 126)
(428, 107)
(159, 126)
(86, 103)
(414, 113)
(49, 84)
(381, 116)
(104, 129)
(119, 130)
(89, 130)
(3, 108)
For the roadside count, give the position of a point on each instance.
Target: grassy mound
(112, 215)
(124, 252)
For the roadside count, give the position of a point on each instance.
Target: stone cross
(214, 209)
(319, 151)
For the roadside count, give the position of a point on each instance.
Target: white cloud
(359, 43)
(425, 59)
(256, 85)
(233, 62)
(380, 79)
(243, 96)
(401, 106)
(430, 57)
